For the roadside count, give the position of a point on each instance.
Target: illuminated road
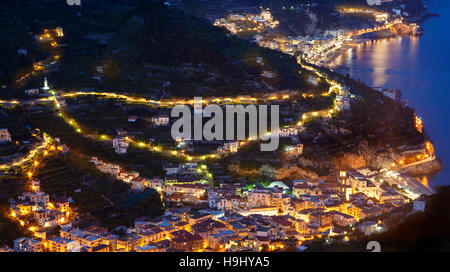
(243, 99)
(369, 30)
(31, 154)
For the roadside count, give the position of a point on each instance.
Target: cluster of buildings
(319, 205)
(318, 49)
(186, 174)
(315, 49)
(313, 206)
(357, 182)
(50, 34)
(131, 177)
(69, 239)
(342, 101)
(178, 230)
(231, 217)
(175, 173)
(185, 182)
(121, 141)
(250, 22)
(34, 210)
(229, 146)
(379, 16)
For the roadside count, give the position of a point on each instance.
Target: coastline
(416, 177)
(329, 63)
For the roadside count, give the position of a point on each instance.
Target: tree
(267, 172)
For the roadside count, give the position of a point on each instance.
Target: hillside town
(97, 169)
(315, 49)
(229, 217)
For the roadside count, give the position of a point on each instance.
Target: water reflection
(385, 57)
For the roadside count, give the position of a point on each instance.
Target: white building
(120, 145)
(161, 120)
(259, 197)
(4, 135)
(35, 197)
(419, 205)
(288, 132)
(132, 118)
(46, 87)
(138, 183)
(24, 244)
(231, 146)
(32, 91)
(267, 211)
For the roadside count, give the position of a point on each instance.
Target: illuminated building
(46, 87)
(161, 120)
(231, 146)
(268, 211)
(419, 123)
(345, 188)
(27, 245)
(5, 136)
(59, 32)
(60, 244)
(120, 145)
(185, 241)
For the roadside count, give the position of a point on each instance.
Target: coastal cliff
(429, 168)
